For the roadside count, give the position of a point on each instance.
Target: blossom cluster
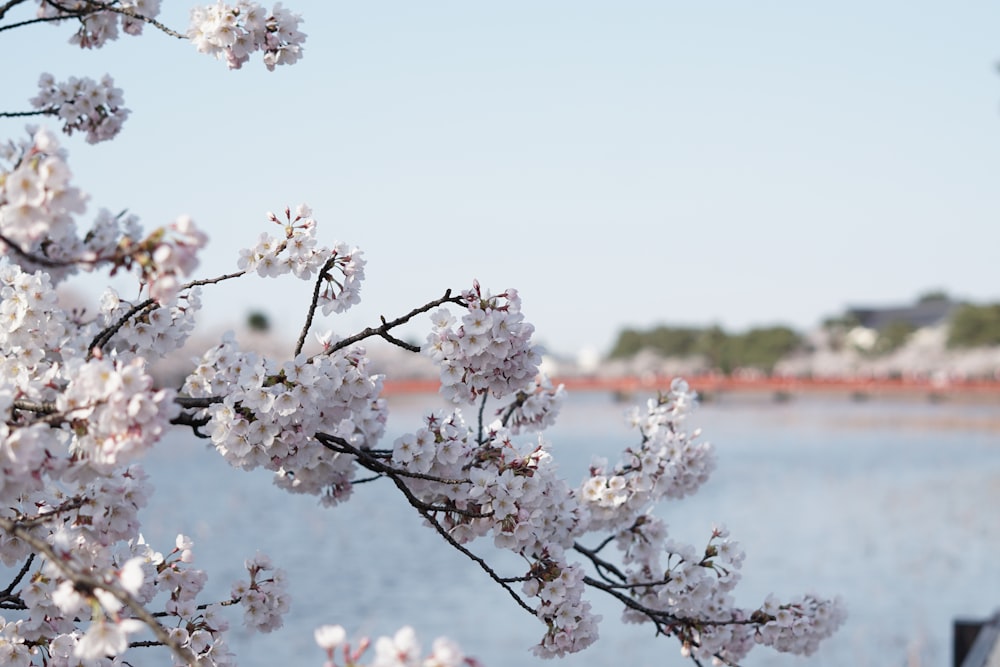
(200, 628)
(84, 105)
(163, 257)
(270, 413)
(512, 492)
(232, 32)
(99, 21)
(153, 331)
(263, 597)
(798, 626)
(401, 650)
(297, 253)
(38, 202)
(117, 410)
(37, 208)
(669, 462)
(536, 407)
(80, 409)
(77, 419)
(489, 352)
(477, 484)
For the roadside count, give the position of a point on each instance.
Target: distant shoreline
(778, 387)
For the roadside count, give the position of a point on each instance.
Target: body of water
(892, 505)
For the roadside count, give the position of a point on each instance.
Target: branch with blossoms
(315, 420)
(705, 627)
(51, 11)
(110, 592)
(81, 411)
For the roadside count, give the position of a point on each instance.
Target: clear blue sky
(620, 163)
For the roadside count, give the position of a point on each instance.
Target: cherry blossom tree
(81, 410)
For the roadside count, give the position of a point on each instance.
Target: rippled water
(894, 506)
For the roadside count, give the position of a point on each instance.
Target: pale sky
(620, 163)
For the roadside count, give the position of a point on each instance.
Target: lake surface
(892, 505)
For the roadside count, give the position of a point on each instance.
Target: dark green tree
(975, 326)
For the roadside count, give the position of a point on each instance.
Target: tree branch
(481, 438)
(329, 264)
(95, 7)
(22, 114)
(105, 336)
(6, 594)
(10, 4)
(41, 260)
(377, 466)
(40, 19)
(600, 564)
(388, 326)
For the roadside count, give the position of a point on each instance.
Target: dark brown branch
(40, 19)
(366, 480)
(40, 259)
(5, 593)
(93, 8)
(39, 408)
(195, 423)
(323, 275)
(377, 466)
(341, 446)
(203, 606)
(105, 336)
(481, 437)
(204, 402)
(10, 4)
(388, 326)
(23, 114)
(409, 347)
(131, 13)
(660, 617)
(600, 564)
(31, 521)
(508, 412)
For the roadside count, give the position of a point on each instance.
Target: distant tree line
(969, 325)
(759, 348)
(975, 326)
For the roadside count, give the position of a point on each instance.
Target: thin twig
(39, 259)
(599, 563)
(388, 326)
(105, 336)
(508, 412)
(329, 264)
(416, 503)
(40, 19)
(10, 4)
(397, 342)
(341, 446)
(96, 7)
(45, 408)
(36, 519)
(5, 593)
(482, 408)
(195, 423)
(197, 403)
(22, 114)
